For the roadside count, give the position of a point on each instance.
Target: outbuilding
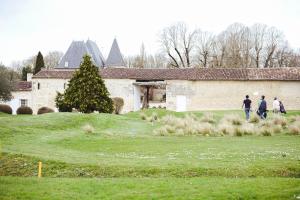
(188, 89)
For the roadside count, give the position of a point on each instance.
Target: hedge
(44, 110)
(24, 110)
(5, 109)
(118, 104)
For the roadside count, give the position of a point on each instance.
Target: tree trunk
(180, 57)
(269, 57)
(257, 60)
(174, 60)
(187, 55)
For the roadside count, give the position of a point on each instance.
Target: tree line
(9, 76)
(30, 65)
(238, 46)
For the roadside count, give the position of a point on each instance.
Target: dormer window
(66, 64)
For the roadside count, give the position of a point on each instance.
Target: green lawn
(125, 156)
(149, 188)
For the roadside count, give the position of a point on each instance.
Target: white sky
(29, 26)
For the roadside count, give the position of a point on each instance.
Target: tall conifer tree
(86, 90)
(39, 64)
(25, 71)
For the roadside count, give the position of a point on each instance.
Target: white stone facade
(226, 95)
(20, 97)
(188, 95)
(48, 88)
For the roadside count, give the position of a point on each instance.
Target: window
(24, 102)
(66, 64)
(39, 86)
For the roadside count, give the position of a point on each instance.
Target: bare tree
(294, 58)
(246, 47)
(156, 61)
(166, 44)
(18, 65)
(281, 55)
(178, 43)
(174, 32)
(143, 60)
(219, 50)
(205, 42)
(274, 38)
(188, 40)
(143, 56)
(138, 61)
(258, 33)
(285, 56)
(237, 46)
(52, 59)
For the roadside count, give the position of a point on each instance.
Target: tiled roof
(290, 74)
(23, 86)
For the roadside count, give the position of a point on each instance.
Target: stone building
(22, 95)
(187, 89)
(28, 93)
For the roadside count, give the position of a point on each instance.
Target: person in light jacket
(276, 105)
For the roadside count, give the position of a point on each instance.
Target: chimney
(29, 76)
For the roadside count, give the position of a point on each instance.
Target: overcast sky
(29, 26)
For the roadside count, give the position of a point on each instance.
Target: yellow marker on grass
(40, 170)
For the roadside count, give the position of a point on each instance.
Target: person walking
(282, 109)
(262, 108)
(247, 107)
(276, 105)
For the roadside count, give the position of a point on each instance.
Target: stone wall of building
(122, 88)
(15, 102)
(48, 88)
(44, 92)
(222, 95)
(199, 95)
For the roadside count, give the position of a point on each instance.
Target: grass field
(123, 159)
(149, 188)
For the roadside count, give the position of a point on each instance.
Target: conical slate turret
(73, 56)
(115, 58)
(95, 53)
(77, 50)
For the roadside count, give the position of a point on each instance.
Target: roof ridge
(242, 74)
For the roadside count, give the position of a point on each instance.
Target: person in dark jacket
(262, 108)
(247, 107)
(282, 109)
